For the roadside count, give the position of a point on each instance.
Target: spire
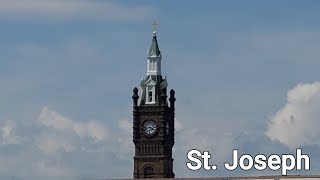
(154, 48)
(154, 55)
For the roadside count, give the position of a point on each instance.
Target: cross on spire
(155, 24)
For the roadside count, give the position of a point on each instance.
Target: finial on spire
(154, 24)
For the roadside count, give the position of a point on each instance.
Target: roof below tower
(154, 48)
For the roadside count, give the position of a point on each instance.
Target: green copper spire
(154, 48)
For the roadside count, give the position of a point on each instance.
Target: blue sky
(246, 75)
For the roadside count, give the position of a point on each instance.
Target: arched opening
(148, 172)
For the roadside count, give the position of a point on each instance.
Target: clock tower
(153, 121)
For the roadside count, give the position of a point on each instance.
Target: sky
(246, 76)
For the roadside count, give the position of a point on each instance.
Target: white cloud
(125, 139)
(71, 9)
(8, 135)
(56, 121)
(62, 134)
(6, 129)
(297, 122)
(53, 145)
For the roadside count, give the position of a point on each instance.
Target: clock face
(149, 127)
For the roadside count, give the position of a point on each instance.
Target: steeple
(154, 48)
(154, 55)
(153, 83)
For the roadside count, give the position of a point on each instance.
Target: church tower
(153, 121)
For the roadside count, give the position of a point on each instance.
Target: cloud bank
(54, 145)
(297, 122)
